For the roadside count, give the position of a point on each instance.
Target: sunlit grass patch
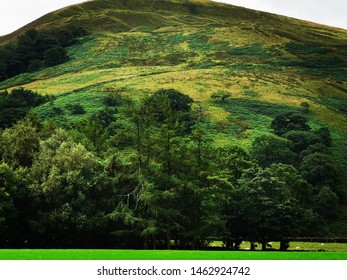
(165, 255)
(59, 108)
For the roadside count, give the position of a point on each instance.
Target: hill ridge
(86, 12)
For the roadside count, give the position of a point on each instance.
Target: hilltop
(199, 47)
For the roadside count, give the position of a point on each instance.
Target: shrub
(55, 56)
(76, 109)
(113, 99)
(268, 149)
(289, 121)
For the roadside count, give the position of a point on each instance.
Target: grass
(91, 103)
(252, 50)
(165, 255)
(307, 246)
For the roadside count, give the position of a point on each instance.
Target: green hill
(266, 64)
(200, 48)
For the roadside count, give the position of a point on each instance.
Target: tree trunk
(237, 244)
(154, 242)
(168, 240)
(145, 242)
(263, 245)
(284, 245)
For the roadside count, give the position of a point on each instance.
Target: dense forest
(35, 50)
(146, 174)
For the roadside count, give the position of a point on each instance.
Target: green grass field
(165, 255)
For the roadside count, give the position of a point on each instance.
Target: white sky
(16, 13)
(328, 12)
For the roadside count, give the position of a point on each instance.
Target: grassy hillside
(267, 63)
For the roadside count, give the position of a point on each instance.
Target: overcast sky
(16, 13)
(329, 12)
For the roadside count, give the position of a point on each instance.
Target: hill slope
(268, 63)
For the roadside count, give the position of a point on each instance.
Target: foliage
(319, 170)
(252, 50)
(19, 143)
(266, 205)
(55, 55)
(289, 121)
(7, 188)
(326, 202)
(64, 174)
(301, 140)
(268, 149)
(76, 109)
(16, 105)
(33, 50)
(140, 174)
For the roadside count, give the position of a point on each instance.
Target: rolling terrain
(200, 48)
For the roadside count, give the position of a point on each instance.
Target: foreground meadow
(309, 251)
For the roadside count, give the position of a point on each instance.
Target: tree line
(148, 174)
(34, 50)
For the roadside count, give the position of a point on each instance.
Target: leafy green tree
(301, 140)
(147, 205)
(169, 114)
(65, 37)
(15, 67)
(199, 143)
(325, 135)
(7, 188)
(226, 166)
(326, 203)
(24, 50)
(16, 105)
(34, 65)
(298, 186)
(32, 33)
(230, 162)
(266, 209)
(19, 144)
(169, 105)
(315, 148)
(44, 42)
(65, 175)
(18, 207)
(268, 149)
(25, 98)
(288, 121)
(320, 170)
(9, 116)
(3, 70)
(155, 129)
(93, 133)
(55, 55)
